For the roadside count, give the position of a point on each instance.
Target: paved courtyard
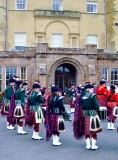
(22, 147)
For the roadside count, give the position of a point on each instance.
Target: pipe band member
(89, 104)
(112, 99)
(19, 113)
(35, 115)
(53, 120)
(72, 94)
(8, 105)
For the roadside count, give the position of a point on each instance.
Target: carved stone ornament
(91, 69)
(42, 69)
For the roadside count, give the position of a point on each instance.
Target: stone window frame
(21, 5)
(23, 73)
(114, 75)
(57, 5)
(20, 41)
(57, 42)
(91, 7)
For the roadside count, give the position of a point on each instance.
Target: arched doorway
(65, 74)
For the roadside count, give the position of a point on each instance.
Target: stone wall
(42, 61)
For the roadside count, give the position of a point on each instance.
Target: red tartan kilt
(111, 104)
(87, 127)
(102, 100)
(30, 119)
(53, 122)
(110, 113)
(29, 116)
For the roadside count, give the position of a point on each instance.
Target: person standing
(34, 115)
(101, 92)
(53, 119)
(8, 105)
(90, 123)
(112, 98)
(72, 95)
(19, 112)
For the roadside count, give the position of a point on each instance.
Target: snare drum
(102, 113)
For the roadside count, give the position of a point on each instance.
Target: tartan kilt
(53, 123)
(10, 117)
(87, 127)
(102, 100)
(29, 117)
(30, 120)
(110, 113)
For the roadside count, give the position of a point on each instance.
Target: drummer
(112, 98)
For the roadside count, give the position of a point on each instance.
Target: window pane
(57, 40)
(10, 73)
(92, 39)
(20, 41)
(105, 73)
(92, 7)
(114, 75)
(57, 5)
(21, 4)
(23, 73)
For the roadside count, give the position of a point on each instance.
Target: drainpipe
(105, 23)
(6, 27)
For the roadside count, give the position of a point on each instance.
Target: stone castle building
(58, 41)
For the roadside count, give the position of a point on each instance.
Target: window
(74, 42)
(20, 41)
(0, 79)
(10, 72)
(21, 4)
(57, 5)
(91, 7)
(57, 40)
(92, 39)
(105, 74)
(114, 75)
(23, 72)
